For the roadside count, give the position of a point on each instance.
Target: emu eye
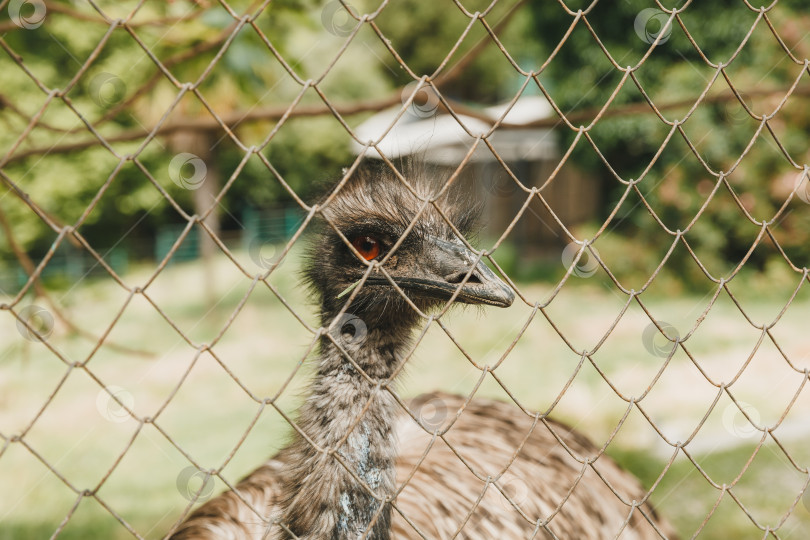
(367, 246)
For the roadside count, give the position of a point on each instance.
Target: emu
(491, 472)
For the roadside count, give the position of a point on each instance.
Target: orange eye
(367, 246)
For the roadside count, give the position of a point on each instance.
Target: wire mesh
(36, 323)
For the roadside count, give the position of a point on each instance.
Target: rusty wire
(445, 72)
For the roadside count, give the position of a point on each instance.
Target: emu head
(387, 227)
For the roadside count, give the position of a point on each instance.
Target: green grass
(198, 407)
(768, 490)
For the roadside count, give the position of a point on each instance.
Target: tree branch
(209, 123)
(234, 119)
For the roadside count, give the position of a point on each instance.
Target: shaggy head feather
(374, 202)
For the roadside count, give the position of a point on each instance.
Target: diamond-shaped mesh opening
(641, 176)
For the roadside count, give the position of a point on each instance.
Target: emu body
(366, 468)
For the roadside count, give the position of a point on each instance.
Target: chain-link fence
(132, 391)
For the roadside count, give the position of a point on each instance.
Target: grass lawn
(207, 408)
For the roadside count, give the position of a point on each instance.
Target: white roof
(441, 139)
(526, 110)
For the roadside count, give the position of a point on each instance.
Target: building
(531, 153)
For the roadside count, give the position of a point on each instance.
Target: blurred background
(140, 345)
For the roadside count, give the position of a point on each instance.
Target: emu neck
(322, 499)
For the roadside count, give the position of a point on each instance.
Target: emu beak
(444, 267)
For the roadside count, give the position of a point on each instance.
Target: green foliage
(245, 78)
(305, 151)
(677, 185)
(424, 34)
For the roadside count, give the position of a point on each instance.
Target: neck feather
(322, 499)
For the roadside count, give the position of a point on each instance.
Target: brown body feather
(443, 490)
(546, 481)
